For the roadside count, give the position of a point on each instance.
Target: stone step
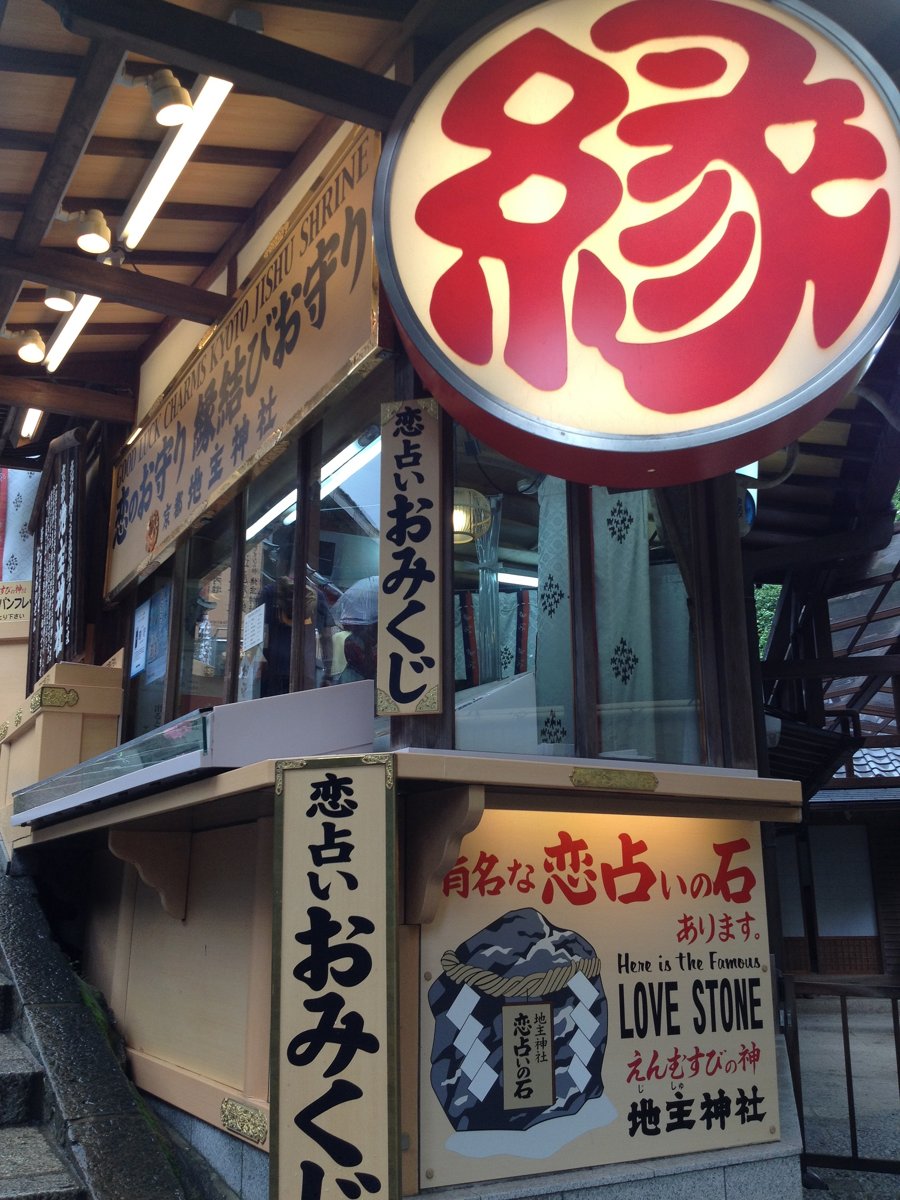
(6, 1002)
(20, 1082)
(31, 1168)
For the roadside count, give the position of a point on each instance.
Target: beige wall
(13, 672)
(190, 994)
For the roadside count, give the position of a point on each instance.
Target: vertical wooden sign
(334, 1118)
(409, 629)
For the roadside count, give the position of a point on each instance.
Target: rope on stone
(542, 983)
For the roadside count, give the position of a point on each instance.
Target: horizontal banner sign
(304, 321)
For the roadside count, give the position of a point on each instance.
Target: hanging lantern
(471, 515)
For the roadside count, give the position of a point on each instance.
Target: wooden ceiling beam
(142, 329)
(251, 157)
(113, 147)
(120, 371)
(379, 10)
(260, 64)
(25, 61)
(874, 666)
(169, 258)
(319, 137)
(67, 401)
(170, 211)
(98, 72)
(84, 275)
(823, 551)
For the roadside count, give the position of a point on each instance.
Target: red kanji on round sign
(644, 242)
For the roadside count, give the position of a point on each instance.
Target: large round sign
(644, 242)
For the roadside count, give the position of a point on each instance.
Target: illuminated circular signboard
(644, 242)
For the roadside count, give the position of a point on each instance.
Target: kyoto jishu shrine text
(302, 318)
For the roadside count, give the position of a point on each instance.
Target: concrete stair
(31, 1168)
(89, 1135)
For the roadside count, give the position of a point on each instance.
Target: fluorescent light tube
(270, 515)
(529, 581)
(30, 423)
(334, 476)
(336, 471)
(171, 158)
(68, 330)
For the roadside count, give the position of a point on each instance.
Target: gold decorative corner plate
(53, 697)
(381, 760)
(429, 702)
(286, 764)
(251, 1123)
(608, 779)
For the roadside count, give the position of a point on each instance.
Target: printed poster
(596, 989)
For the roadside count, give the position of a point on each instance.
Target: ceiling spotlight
(171, 102)
(31, 348)
(59, 299)
(91, 230)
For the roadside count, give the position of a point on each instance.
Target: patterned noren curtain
(517, 635)
(17, 493)
(553, 655)
(647, 687)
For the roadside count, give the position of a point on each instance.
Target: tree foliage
(766, 597)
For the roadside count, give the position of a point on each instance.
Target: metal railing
(842, 992)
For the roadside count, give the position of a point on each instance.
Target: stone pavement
(876, 1093)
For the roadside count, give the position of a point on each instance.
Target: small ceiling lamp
(91, 230)
(471, 515)
(30, 348)
(171, 102)
(59, 299)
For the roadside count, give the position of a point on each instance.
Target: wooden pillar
(725, 680)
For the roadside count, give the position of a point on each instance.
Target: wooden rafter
(131, 329)
(26, 61)
(380, 10)
(864, 666)
(171, 211)
(114, 147)
(96, 76)
(82, 403)
(260, 64)
(84, 275)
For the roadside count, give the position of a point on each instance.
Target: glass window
(267, 596)
(150, 653)
(342, 584)
(511, 606)
(205, 623)
(648, 704)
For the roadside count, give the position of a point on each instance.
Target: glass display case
(202, 742)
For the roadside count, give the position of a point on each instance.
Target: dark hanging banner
(57, 599)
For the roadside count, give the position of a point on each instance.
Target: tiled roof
(881, 762)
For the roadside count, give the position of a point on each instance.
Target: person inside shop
(358, 616)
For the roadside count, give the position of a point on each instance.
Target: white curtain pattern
(647, 685)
